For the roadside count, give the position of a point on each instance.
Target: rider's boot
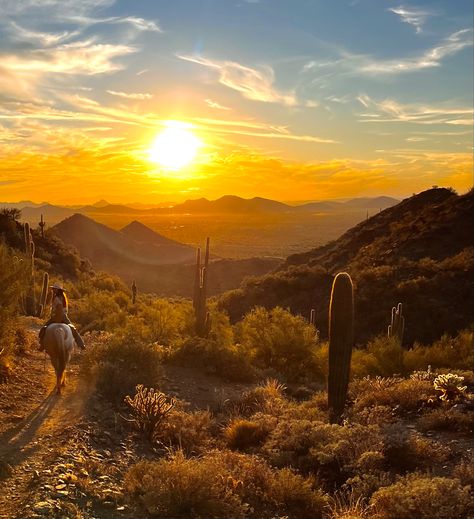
(78, 338)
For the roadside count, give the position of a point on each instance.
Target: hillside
(110, 250)
(419, 252)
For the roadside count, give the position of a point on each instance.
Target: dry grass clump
(447, 419)
(418, 496)
(268, 397)
(241, 434)
(222, 484)
(347, 505)
(402, 394)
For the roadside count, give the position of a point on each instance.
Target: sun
(175, 147)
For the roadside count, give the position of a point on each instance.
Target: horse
(58, 343)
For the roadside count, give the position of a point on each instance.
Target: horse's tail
(62, 353)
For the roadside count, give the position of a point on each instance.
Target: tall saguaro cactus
(200, 293)
(341, 342)
(397, 327)
(30, 254)
(44, 295)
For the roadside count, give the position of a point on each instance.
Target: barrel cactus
(341, 341)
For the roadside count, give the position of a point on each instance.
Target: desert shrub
(13, 274)
(348, 505)
(148, 408)
(447, 352)
(241, 434)
(327, 449)
(407, 450)
(448, 419)
(373, 415)
(119, 363)
(464, 471)
(166, 320)
(98, 311)
(321, 361)
(183, 488)
(402, 394)
(383, 356)
(363, 485)
(222, 484)
(279, 340)
(189, 431)
(420, 497)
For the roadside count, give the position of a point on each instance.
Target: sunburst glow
(175, 147)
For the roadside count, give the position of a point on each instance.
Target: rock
(43, 507)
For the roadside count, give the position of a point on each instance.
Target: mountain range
(228, 204)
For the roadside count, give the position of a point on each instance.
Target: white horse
(59, 342)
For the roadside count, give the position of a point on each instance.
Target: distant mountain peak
(101, 203)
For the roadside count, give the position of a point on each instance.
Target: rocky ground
(65, 456)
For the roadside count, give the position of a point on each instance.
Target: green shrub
(119, 363)
(222, 484)
(279, 340)
(420, 497)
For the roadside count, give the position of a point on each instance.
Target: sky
(290, 99)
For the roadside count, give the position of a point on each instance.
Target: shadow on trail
(15, 442)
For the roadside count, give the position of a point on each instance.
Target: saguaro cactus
(200, 293)
(42, 225)
(312, 317)
(134, 292)
(397, 326)
(341, 341)
(30, 254)
(44, 295)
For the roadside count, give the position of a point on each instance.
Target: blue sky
(293, 99)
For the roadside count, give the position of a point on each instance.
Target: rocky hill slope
(419, 252)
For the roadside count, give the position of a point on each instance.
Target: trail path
(33, 423)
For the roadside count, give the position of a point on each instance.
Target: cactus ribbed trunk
(44, 295)
(200, 293)
(341, 341)
(30, 254)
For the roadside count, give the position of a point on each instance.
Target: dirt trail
(33, 422)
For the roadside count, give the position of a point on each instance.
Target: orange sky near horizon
(323, 112)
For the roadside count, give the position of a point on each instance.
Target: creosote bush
(119, 363)
(418, 496)
(222, 484)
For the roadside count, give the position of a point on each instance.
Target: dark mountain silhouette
(155, 262)
(419, 252)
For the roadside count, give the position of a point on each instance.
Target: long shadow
(14, 443)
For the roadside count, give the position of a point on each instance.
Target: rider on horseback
(59, 308)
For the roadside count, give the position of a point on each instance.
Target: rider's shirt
(57, 310)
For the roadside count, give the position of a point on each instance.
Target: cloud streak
(252, 83)
(412, 16)
(136, 96)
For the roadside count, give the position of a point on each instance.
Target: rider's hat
(57, 287)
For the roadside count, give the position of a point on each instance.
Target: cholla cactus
(149, 407)
(450, 386)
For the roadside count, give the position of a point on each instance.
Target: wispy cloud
(412, 15)
(252, 83)
(136, 95)
(44, 39)
(390, 110)
(214, 104)
(348, 63)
